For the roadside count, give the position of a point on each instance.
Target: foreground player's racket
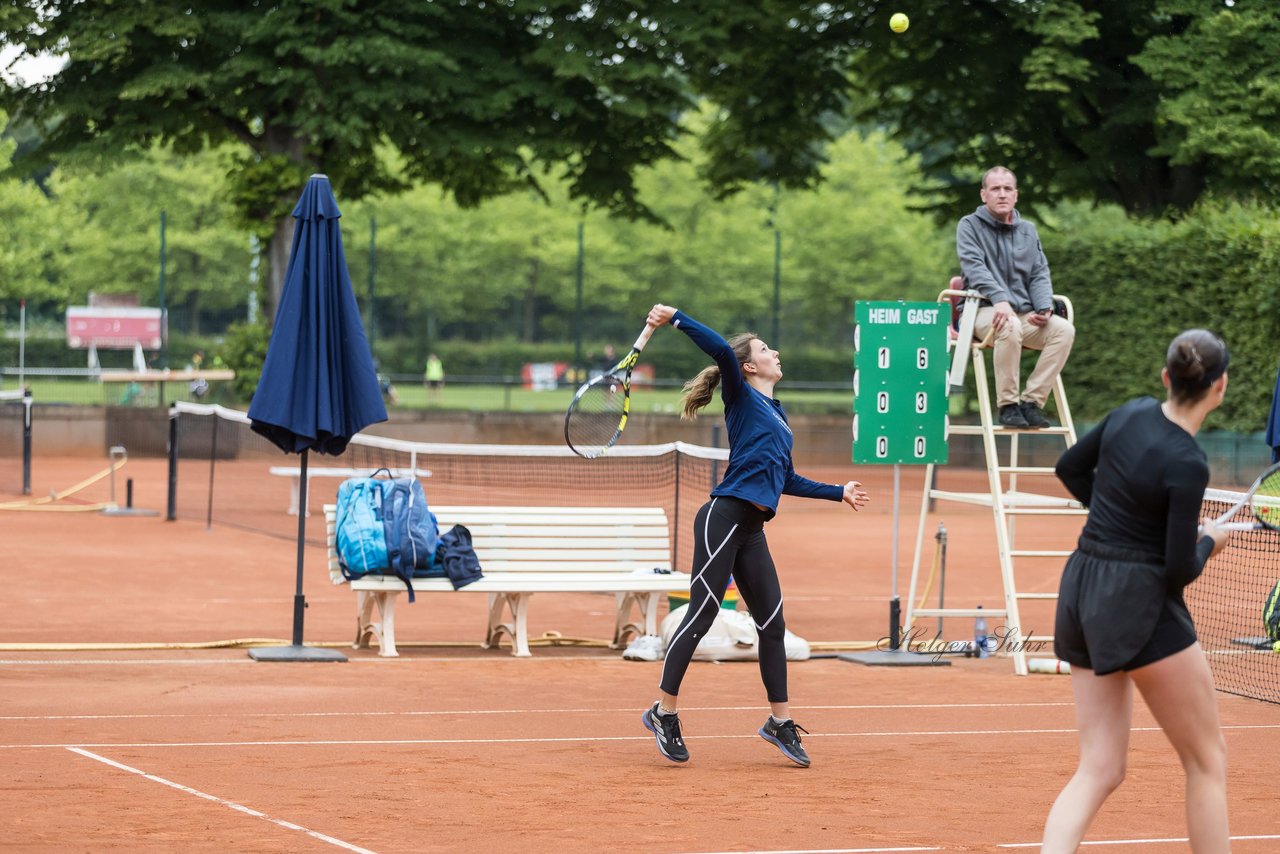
(1263, 499)
(598, 414)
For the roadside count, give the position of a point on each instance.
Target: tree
(111, 222)
(1072, 94)
(478, 98)
(30, 256)
(1222, 95)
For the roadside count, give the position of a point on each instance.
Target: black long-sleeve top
(1143, 479)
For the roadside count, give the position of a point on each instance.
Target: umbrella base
(894, 658)
(295, 653)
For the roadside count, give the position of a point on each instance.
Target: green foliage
(244, 350)
(507, 269)
(111, 227)
(1222, 91)
(480, 99)
(1135, 285)
(1145, 103)
(30, 260)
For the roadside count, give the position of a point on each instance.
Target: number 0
(919, 446)
(882, 401)
(882, 446)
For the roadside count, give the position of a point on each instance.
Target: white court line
(181, 662)
(828, 851)
(1138, 841)
(441, 712)
(217, 800)
(385, 742)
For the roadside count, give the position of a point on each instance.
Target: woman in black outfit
(1121, 617)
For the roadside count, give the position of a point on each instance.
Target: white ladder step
(1038, 511)
(976, 430)
(1036, 595)
(957, 612)
(1045, 470)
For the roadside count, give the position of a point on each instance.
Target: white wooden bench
(528, 550)
(295, 472)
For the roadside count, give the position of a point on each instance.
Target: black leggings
(728, 540)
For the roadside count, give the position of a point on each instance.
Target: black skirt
(1116, 611)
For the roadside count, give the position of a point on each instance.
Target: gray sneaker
(666, 732)
(784, 736)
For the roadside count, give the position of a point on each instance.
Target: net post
(213, 462)
(675, 537)
(171, 508)
(26, 441)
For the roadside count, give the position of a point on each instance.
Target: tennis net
(1227, 603)
(15, 441)
(222, 472)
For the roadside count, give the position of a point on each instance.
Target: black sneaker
(1011, 416)
(1034, 415)
(786, 738)
(666, 731)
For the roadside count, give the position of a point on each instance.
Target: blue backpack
(384, 525)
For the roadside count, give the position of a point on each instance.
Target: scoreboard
(900, 382)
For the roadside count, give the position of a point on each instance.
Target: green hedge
(53, 352)
(1136, 284)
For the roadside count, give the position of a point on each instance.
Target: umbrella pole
(296, 651)
(299, 600)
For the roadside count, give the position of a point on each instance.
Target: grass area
(482, 398)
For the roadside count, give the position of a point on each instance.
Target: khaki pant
(1053, 340)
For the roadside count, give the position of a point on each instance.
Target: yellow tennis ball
(899, 23)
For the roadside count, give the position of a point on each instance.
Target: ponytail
(698, 391)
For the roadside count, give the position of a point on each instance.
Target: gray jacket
(1004, 262)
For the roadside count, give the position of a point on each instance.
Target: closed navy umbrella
(318, 386)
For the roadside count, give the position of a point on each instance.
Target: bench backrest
(550, 539)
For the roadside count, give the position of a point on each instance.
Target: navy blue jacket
(760, 441)
(457, 558)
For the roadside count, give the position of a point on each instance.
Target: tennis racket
(598, 414)
(1263, 499)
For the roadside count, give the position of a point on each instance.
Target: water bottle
(980, 636)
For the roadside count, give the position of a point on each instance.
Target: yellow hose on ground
(44, 503)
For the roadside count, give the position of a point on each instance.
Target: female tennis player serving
(1121, 617)
(729, 529)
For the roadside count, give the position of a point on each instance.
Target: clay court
(184, 743)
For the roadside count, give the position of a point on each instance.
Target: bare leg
(667, 702)
(1179, 692)
(1104, 708)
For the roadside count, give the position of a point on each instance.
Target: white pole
(22, 343)
(896, 487)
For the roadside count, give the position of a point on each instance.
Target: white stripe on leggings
(706, 539)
